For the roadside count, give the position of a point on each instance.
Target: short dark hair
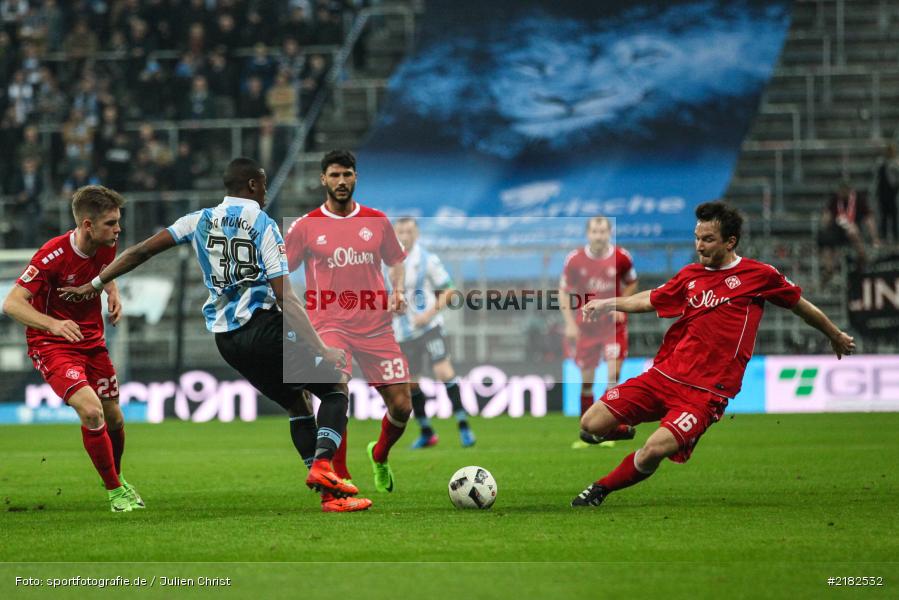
(239, 172)
(91, 201)
(729, 219)
(344, 158)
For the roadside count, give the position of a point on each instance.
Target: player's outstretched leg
(98, 445)
(399, 407)
(428, 436)
(115, 429)
(635, 467)
(332, 421)
(621, 432)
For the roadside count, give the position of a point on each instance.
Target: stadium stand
(829, 110)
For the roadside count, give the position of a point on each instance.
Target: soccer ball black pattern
(472, 487)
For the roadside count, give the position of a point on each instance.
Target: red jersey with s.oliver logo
(719, 310)
(600, 277)
(59, 263)
(345, 289)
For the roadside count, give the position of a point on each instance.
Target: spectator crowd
(84, 79)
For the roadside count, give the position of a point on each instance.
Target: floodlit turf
(769, 506)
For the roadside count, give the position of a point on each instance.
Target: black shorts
(256, 351)
(422, 352)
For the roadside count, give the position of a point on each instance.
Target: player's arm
(571, 329)
(637, 303)
(629, 290)
(397, 300)
(18, 306)
(841, 342)
(113, 302)
(298, 321)
(127, 261)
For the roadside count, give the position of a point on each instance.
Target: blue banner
(563, 108)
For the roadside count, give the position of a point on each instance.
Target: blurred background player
(65, 333)
(700, 364)
(601, 270)
(342, 245)
(420, 331)
(241, 253)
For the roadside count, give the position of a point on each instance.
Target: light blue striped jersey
(239, 248)
(425, 275)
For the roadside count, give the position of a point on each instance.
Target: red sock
(339, 459)
(99, 448)
(624, 475)
(586, 402)
(390, 433)
(117, 437)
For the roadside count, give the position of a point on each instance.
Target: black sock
(455, 396)
(332, 421)
(303, 432)
(418, 409)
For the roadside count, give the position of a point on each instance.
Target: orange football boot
(332, 504)
(323, 479)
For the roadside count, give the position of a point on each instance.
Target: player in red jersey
(703, 355)
(598, 270)
(342, 245)
(65, 333)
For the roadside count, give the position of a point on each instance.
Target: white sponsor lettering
(600, 284)
(343, 257)
(707, 299)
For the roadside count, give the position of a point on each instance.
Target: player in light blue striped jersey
(419, 331)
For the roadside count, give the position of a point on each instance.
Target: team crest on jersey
(321, 240)
(73, 374)
(612, 394)
(691, 285)
(610, 272)
(71, 278)
(732, 282)
(365, 233)
(29, 273)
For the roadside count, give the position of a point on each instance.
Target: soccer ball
(472, 487)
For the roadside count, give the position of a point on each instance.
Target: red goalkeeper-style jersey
(59, 263)
(719, 310)
(345, 288)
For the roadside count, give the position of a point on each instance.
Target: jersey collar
(75, 246)
(328, 213)
(236, 200)
(726, 267)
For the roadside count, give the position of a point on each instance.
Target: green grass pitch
(769, 506)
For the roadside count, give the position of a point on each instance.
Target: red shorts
(67, 370)
(590, 348)
(683, 410)
(380, 358)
